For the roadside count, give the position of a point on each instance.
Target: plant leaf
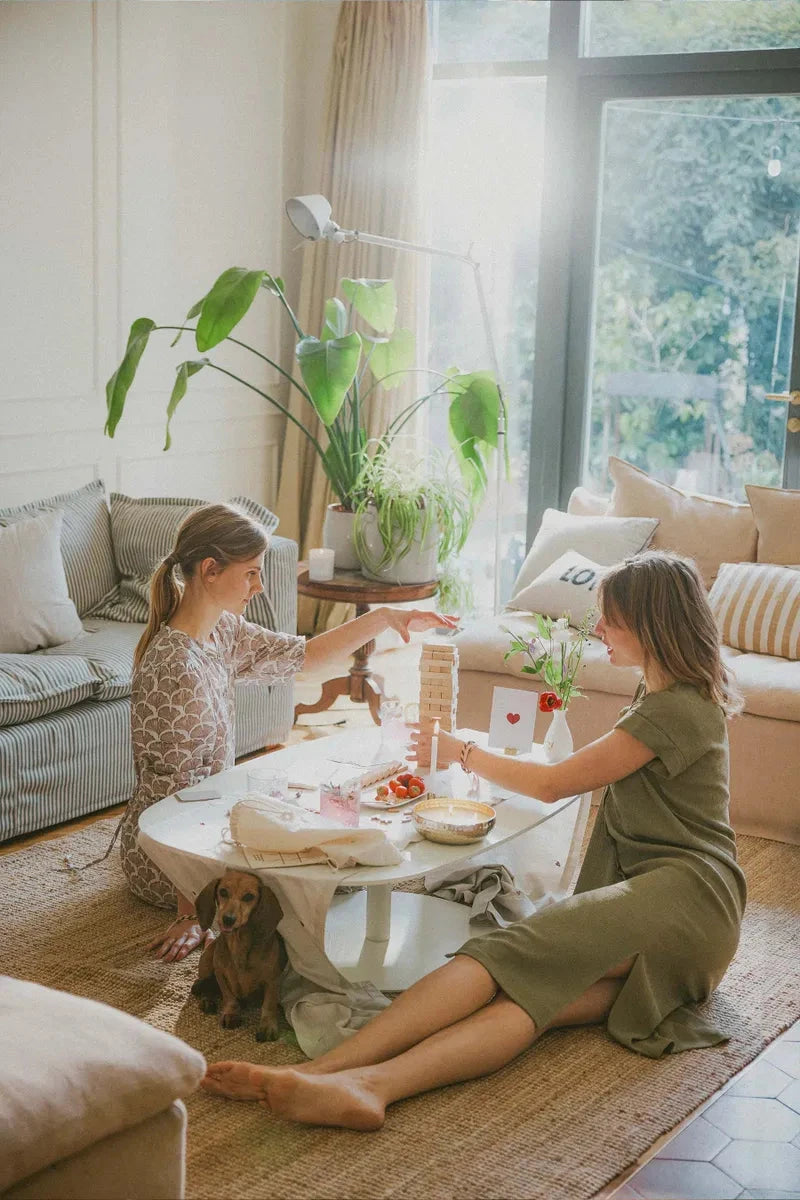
(335, 325)
(328, 369)
(226, 304)
(373, 299)
(190, 316)
(185, 371)
(273, 284)
(476, 406)
(120, 382)
(390, 355)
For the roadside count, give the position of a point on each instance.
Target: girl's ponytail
(165, 597)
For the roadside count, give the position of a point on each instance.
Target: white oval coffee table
(388, 937)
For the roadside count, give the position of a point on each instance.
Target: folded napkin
(274, 834)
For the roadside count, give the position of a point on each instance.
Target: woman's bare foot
(344, 1099)
(232, 1079)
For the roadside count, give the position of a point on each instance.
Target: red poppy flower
(548, 701)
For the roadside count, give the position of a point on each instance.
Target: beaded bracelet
(466, 750)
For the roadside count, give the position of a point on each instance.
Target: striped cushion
(108, 647)
(32, 685)
(757, 607)
(144, 533)
(85, 541)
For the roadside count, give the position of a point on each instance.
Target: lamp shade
(311, 216)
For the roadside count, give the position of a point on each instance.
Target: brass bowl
(453, 828)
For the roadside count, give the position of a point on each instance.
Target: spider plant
(413, 495)
(339, 372)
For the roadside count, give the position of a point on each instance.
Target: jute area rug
(561, 1121)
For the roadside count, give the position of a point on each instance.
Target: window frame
(577, 88)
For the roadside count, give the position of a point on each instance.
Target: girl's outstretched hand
(416, 620)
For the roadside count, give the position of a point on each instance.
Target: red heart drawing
(512, 718)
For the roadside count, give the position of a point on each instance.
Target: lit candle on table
(435, 748)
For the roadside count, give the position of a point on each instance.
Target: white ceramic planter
(337, 535)
(558, 739)
(418, 566)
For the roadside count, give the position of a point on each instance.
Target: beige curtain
(371, 174)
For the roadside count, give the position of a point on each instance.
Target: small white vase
(337, 535)
(558, 739)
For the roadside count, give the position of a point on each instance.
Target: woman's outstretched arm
(604, 761)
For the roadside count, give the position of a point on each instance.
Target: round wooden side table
(351, 587)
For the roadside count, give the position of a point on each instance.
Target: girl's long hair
(217, 531)
(660, 598)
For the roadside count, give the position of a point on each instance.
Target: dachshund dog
(244, 963)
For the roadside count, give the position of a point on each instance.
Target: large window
(628, 174)
(695, 290)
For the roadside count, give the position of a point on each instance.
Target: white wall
(141, 153)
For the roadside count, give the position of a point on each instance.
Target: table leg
(379, 913)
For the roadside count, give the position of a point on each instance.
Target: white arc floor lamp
(311, 217)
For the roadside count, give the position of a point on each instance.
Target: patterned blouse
(182, 720)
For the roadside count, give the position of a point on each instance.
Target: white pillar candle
(320, 565)
(435, 748)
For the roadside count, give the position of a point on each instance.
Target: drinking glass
(270, 782)
(341, 801)
(393, 725)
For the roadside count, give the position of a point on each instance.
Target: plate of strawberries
(402, 789)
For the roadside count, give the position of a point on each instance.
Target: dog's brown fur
(244, 963)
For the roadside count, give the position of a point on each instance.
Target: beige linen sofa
(90, 1100)
(765, 738)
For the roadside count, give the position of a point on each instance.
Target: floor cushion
(74, 1071)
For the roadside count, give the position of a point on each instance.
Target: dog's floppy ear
(266, 915)
(206, 904)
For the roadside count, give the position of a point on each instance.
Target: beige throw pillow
(709, 531)
(777, 514)
(757, 607)
(568, 587)
(583, 503)
(36, 610)
(605, 540)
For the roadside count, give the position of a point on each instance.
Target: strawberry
(401, 792)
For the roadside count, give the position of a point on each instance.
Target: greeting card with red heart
(513, 718)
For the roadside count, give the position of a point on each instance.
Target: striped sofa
(65, 711)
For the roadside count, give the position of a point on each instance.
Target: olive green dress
(659, 882)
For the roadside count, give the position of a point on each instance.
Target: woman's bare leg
(473, 1047)
(439, 999)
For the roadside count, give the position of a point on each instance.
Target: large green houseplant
(339, 371)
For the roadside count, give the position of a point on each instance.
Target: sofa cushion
(583, 503)
(770, 686)
(36, 608)
(605, 540)
(568, 586)
(709, 531)
(75, 1071)
(777, 516)
(85, 541)
(32, 686)
(144, 532)
(108, 648)
(757, 608)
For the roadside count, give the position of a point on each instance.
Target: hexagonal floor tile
(785, 1055)
(766, 1166)
(757, 1119)
(663, 1177)
(760, 1079)
(697, 1142)
(791, 1095)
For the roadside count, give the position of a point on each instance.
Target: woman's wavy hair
(660, 598)
(218, 531)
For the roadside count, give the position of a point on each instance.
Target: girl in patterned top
(195, 646)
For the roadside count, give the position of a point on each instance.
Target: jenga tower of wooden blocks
(438, 687)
